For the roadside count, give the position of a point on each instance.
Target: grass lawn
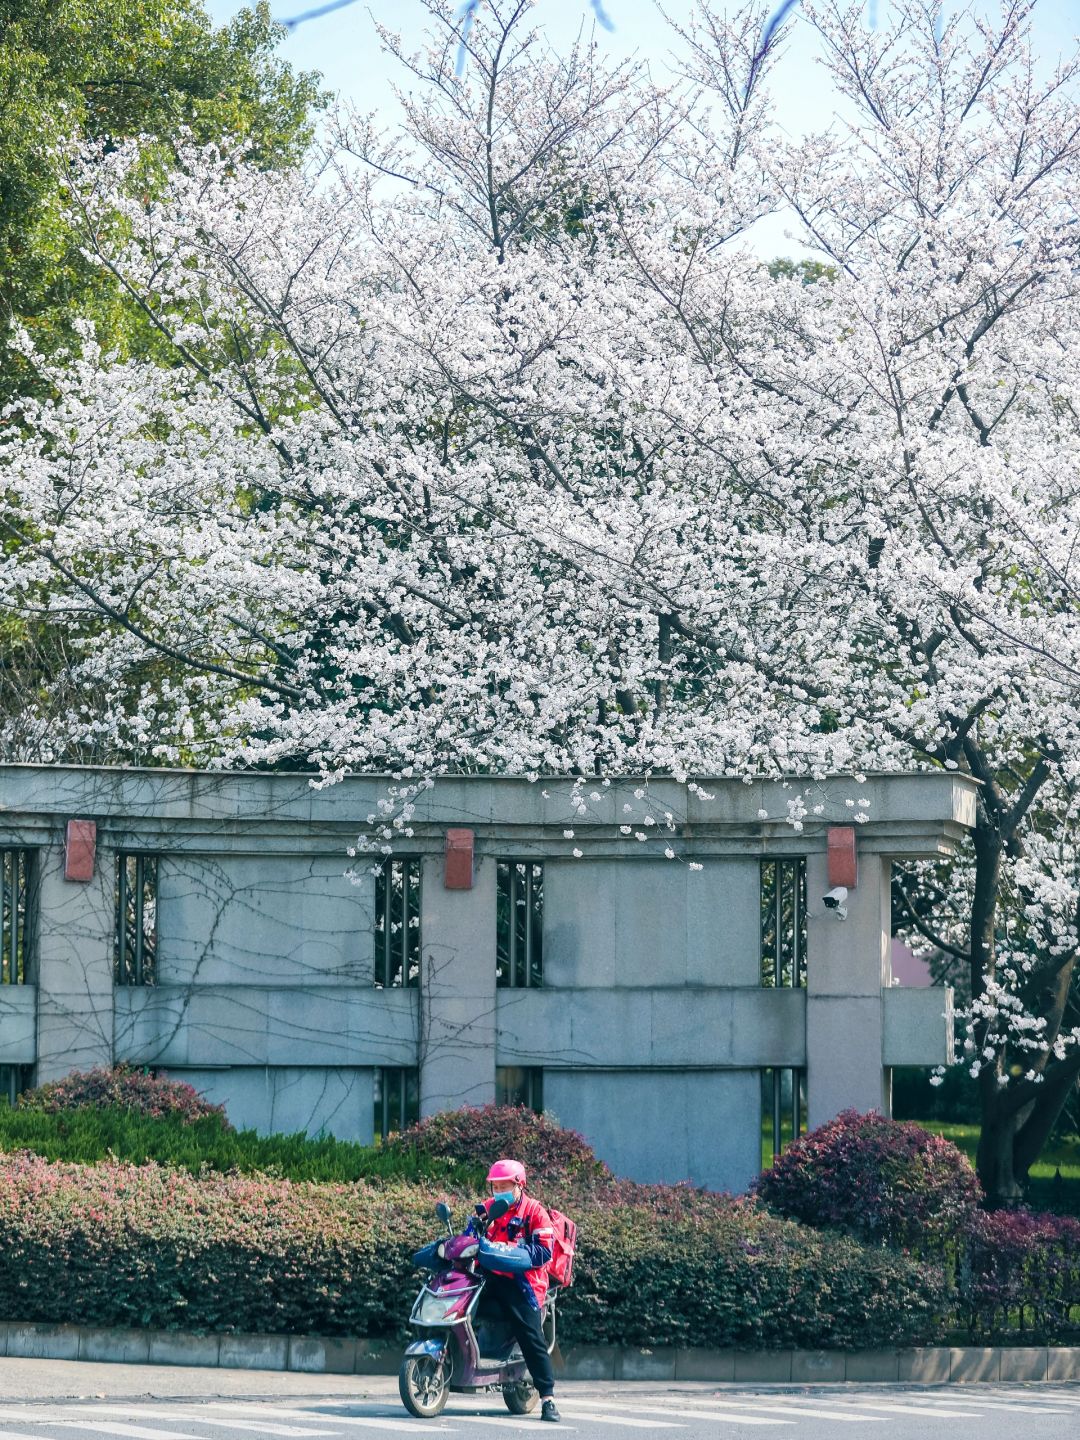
(1044, 1191)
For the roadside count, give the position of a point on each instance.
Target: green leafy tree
(100, 70)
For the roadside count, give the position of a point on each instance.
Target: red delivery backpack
(564, 1242)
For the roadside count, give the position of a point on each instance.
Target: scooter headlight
(437, 1309)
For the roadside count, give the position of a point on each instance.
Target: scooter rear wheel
(423, 1386)
(520, 1399)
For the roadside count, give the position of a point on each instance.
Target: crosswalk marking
(328, 1417)
(519, 1424)
(1035, 1409)
(622, 1420)
(189, 1416)
(129, 1432)
(796, 1405)
(732, 1419)
(336, 1418)
(797, 1408)
(899, 1407)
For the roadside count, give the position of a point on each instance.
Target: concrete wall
(288, 921)
(287, 1099)
(75, 928)
(649, 922)
(651, 1026)
(663, 1126)
(457, 990)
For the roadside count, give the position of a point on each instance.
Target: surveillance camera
(835, 898)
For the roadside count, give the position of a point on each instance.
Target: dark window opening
(783, 923)
(136, 919)
(17, 905)
(397, 1099)
(519, 934)
(14, 1079)
(397, 924)
(520, 1085)
(783, 1111)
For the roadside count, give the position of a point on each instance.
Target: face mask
(507, 1195)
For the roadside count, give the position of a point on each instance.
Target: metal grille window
(519, 931)
(14, 1079)
(520, 1085)
(397, 1099)
(136, 919)
(783, 1111)
(397, 924)
(16, 902)
(783, 922)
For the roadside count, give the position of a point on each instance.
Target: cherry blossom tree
(491, 445)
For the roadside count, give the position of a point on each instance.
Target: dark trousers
(503, 1299)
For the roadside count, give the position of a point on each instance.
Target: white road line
(131, 1432)
(188, 1415)
(508, 1423)
(279, 1412)
(39, 1415)
(622, 1420)
(1035, 1408)
(736, 1419)
(797, 1408)
(779, 1406)
(898, 1407)
(1071, 1400)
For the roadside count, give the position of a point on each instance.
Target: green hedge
(146, 1246)
(87, 1135)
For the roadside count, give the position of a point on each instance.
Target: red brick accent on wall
(459, 860)
(843, 862)
(80, 843)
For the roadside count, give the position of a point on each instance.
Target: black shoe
(549, 1410)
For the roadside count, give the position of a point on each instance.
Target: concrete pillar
(847, 967)
(457, 990)
(76, 922)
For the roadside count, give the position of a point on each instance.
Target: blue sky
(344, 47)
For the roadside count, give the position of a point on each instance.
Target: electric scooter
(458, 1352)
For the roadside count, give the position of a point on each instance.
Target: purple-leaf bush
(127, 1088)
(479, 1135)
(1021, 1272)
(146, 1246)
(880, 1181)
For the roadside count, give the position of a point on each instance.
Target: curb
(327, 1355)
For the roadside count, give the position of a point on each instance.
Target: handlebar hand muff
(499, 1255)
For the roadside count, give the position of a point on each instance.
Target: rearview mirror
(442, 1210)
(497, 1209)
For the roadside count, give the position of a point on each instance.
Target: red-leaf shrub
(126, 1088)
(1021, 1272)
(877, 1180)
(480, 1135)
(150, 1247)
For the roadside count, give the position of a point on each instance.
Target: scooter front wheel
(423, 1386)
(520, 1399)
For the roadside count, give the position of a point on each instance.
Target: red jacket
(537, 1233)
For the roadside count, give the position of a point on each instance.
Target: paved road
(590, 1411)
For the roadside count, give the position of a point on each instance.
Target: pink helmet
(511, 1170)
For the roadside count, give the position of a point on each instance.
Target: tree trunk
(995, 1158)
